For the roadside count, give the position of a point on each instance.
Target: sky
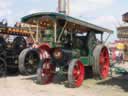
(105, 13)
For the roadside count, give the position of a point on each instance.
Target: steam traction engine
(9, 51)
(67, 45)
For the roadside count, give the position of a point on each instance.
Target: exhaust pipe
(62, 6)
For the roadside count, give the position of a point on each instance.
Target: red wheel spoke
(78, 73)
(104, 62)
(47, 72)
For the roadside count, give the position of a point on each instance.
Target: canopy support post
(55, 31)
(107, 38)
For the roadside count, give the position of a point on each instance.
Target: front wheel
(76, 73)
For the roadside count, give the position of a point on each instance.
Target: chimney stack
(62, 6)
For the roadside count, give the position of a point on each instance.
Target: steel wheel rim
(31, 62)
(78, 73)
(104, 63)
(47, 71)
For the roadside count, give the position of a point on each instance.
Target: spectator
(117, 56)
(122, 56)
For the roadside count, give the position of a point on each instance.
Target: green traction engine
(66, 46)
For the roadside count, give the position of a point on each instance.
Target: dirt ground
(26, 86)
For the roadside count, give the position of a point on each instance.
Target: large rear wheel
(102, 63)
(45, 72)
(28, 61)
(76, 73)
